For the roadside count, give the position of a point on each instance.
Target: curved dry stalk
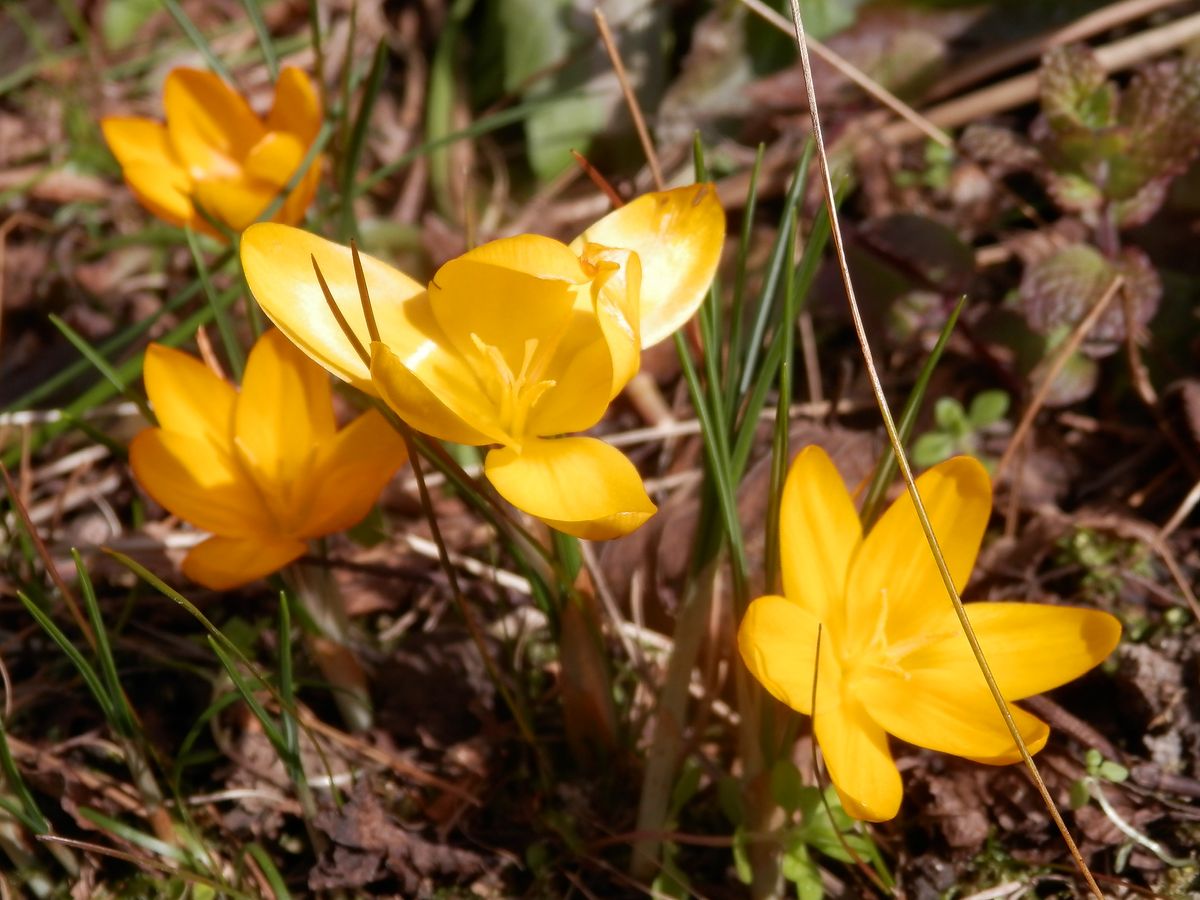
(911, 117)
(1065, 350)
(903, 464)
(1021, 89)
(635, 110)
(1104, 19)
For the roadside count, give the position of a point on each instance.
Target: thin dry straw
(635, 109)
(902, 461)
(1065, 351)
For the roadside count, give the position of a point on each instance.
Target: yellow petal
(778, 643)
(277, 260)
(678, 236)
(582, 371)
(859, 762)
(531, 254)
(818, 532)
(283, 414)
(947, 711)
(275, 158)
(436, 393)
(211, 128)
(197, 482)
(136, 140)
(188, 397)
(221, 563)
(1030, 647)
(579, 485)
(149, 167)
(165, 191)
(350, 472)
(297, 202)
(238, 201)
(497, 296)
(616, 299)
(297, 107)
(893, 574)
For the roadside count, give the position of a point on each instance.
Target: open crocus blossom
(893, 656)
(264, 469)
(518, 343)
(215, 153)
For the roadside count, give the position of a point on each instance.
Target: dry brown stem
(1065, 349)
(1022, 89)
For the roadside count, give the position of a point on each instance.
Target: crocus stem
(330, 647)
(662, 756)
(764, 817)
(143, 778)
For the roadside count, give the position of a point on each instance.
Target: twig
(1184, 510)
(889, 424)
(598, 180)
(1064, 352)
(1022, 89)
(988, 64)
(911, 117)
(631, 101)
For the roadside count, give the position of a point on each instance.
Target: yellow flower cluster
(263, 469)
(215, 155)
(515, 343)
(519, 345)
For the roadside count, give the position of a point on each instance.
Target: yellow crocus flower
(264, 469)
(893, 657)
(515, 343)
(214, 152)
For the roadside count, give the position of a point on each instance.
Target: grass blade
(27, 813)
(773, 275)
(270, 872)
(124, 722)
(126, 372)
(352, 152)
(289, 729)
(885, 469)
(114, 343)
(779, 444)
(748, 426)
(733, 360)
(270, 730)
(233, 350)
(146, 842)
(726, 486)
(188, 27)
(101, 364)
(86, 672)
(254, 14)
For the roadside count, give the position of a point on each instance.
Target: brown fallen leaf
(369, 845)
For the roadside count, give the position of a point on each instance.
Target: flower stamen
(515, 395)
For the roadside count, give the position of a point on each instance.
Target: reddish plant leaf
(1057, 292)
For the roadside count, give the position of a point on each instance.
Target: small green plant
(1106, 155)
(817, 826)
(935, 174)
(959, 429)
(1099, 770)
(1105, 561)
(1101, 773)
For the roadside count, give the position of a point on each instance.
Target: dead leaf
(369, 845)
